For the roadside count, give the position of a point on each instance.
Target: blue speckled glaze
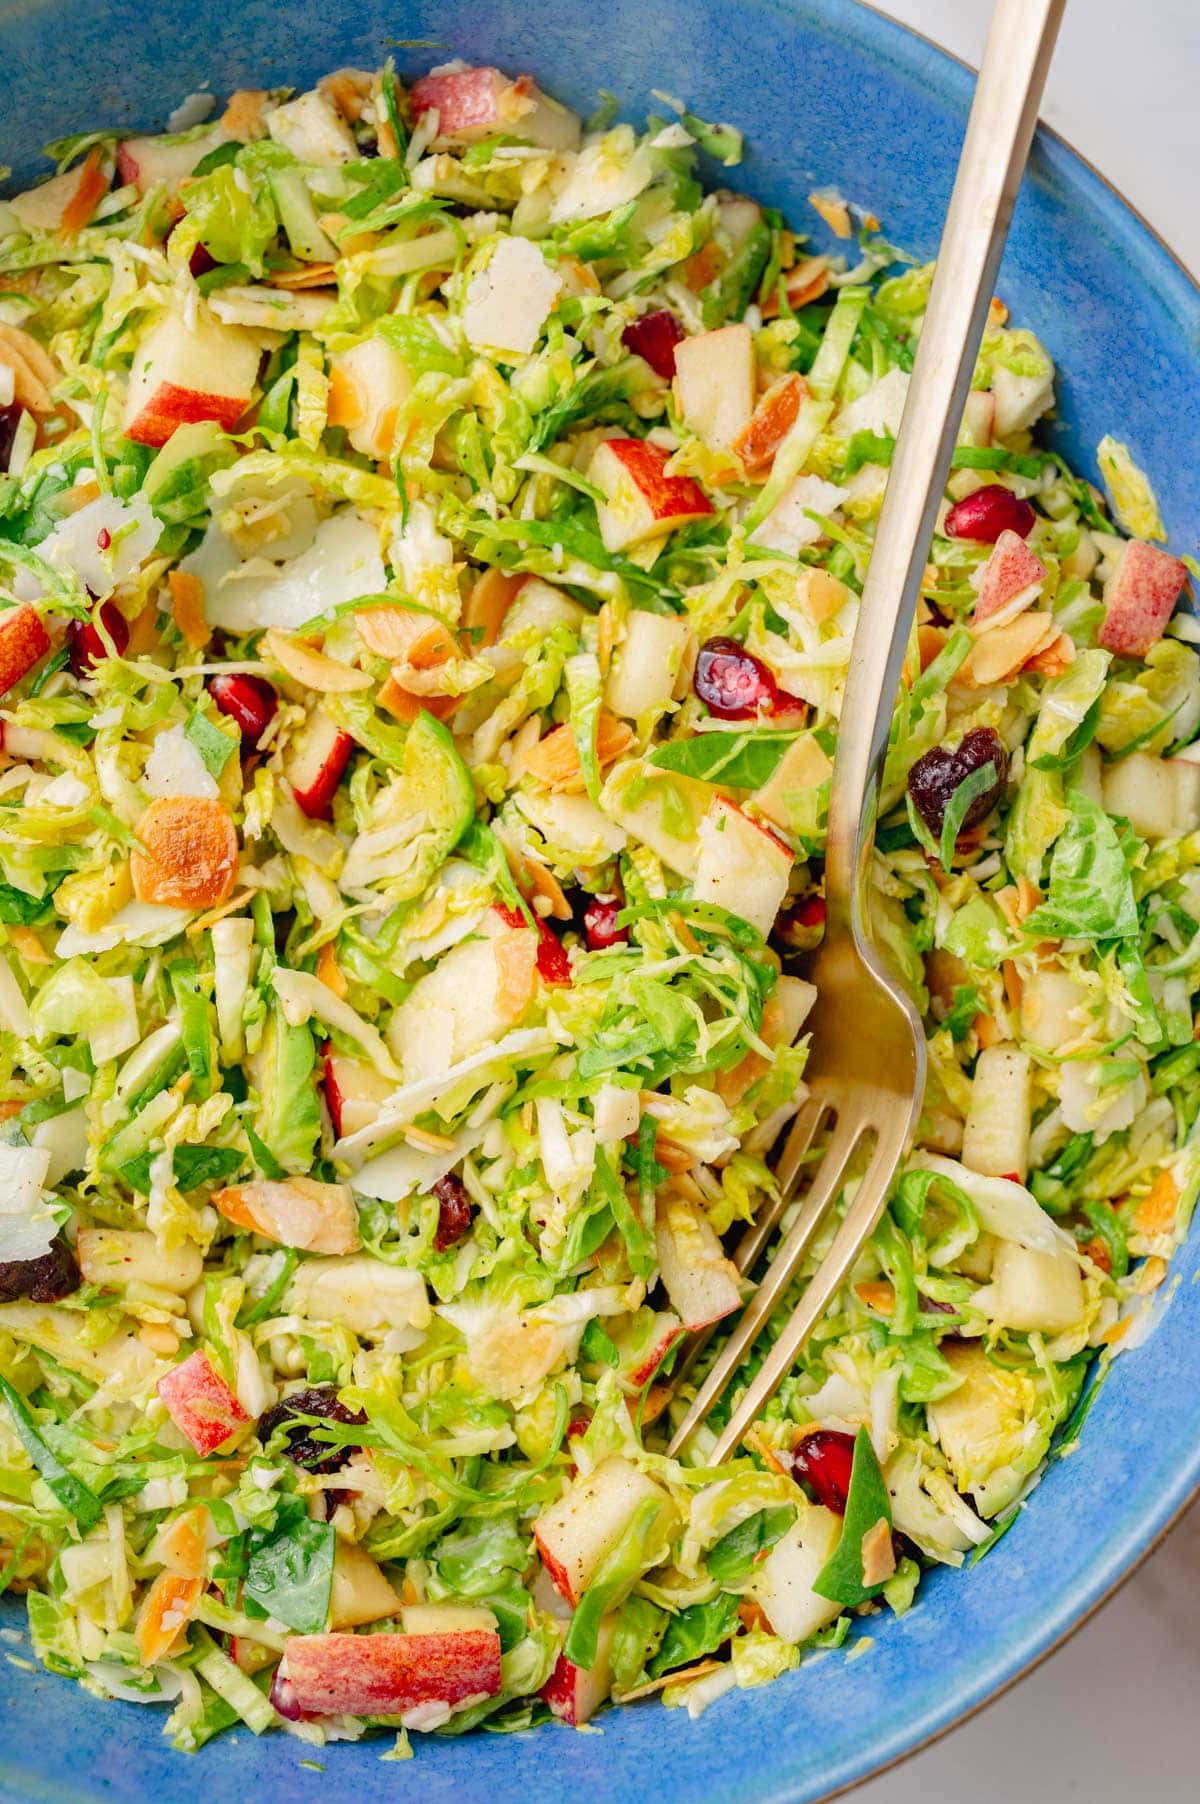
(828, 92)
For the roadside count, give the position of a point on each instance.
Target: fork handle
(999, 131)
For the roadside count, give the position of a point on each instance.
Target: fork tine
(777, 1277)
(745, 1255)
(861, 1217)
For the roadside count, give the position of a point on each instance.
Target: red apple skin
(171, 406)
(466, 101)
(1141, 599)
(644, 1370)
(317, 765)
(562, 1691)
(558, 1573)
(669, 497)
(128, 167)
(382, 1675)
(333, 1094)
(24, 641)
(1010, 568)
(200, 1403)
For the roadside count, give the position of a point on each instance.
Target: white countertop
(1112, 1716)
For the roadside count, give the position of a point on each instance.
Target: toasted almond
(492, 595)
(771, 1457)
(301, 660)
(405, 706)
(998, 655)
(1156, 1212)
(684, 1676)
(1055, 658)
(654, 1403)
(395, 632)
(770, 423)
(1150, 1275)
(203, 922)
(187, 853)
(428, 1142)
(987, 1031)
(312, 275)
(806, 281)
(187, 608)
(243, 116)
(28, 945)
(160, 1337)
(878, 1553)
(33, 373)
(330, 972)
(833, 210)
(91, 189)
(554, 761)
(535, 879)
(930, 640)
(349, 90)
(515, 953)
(878, 1295)
(672, 1156)
(704, 266)
(997, 313)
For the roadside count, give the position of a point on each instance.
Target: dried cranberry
(86, 645)
(454, 1212)
(283, 1697)
(825, 1460)
(934, 778)
(249, 701)
(554, 966)
(600, 924)
(731, 682)
(810, 912)
(988, 512)
(10, 419)
(42, 1280)
(200, 262)
(299, 1443)
(654, 337)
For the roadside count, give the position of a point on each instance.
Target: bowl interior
(828, 93)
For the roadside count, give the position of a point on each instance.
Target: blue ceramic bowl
(828, 91)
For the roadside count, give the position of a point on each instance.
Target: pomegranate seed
(200, 262)
(810, 912)
(10, 419)
(991, 510)
(86, 645)
(600, 925)
(249, 701)
(654, 337)
(824, 1460)
(283, 1697)
(934, 778)
(454, 1212)
(731, 682)
(103, 539)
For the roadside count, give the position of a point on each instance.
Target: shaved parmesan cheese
(788, 527)
(507, 303)
(27, 1226)
(312, 129)
(175, 767)
(602, 177)
(65, 791)
(104, 542)
(342, 563)
(137, 924)
(878, 411)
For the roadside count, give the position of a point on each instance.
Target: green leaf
(696, 1631)
(966, 1005)
(957, 808)
(195, 1024)
(868, 448)
(631, 1223)
(613, 1577)
(76, 1497)
(215, 747)
(735, 1555)
(1090, 895)
(737, 760)
(192, 1166)
(841, 1578)
(290, 1568)
(18, 909)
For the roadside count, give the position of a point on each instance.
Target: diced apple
(200, 1403)
(117, 1257)
(474, 994)
(996, 1132)
(645, 665)
(478, 103)
(1140, 598)
(979, 413)
(1020, 400)
(793, 997)
(362, 1294)
(1011, 579)
(184, 371)
(574, 1534)
(311, 127)
(643, 1341)
(354, 1091)
(360, 1591)
(1053, 1009)
(662, 809)
(783, 1585)
(575, 1693)
(701, 1282)
(153, 162)
(983, 1425)
(24, 642)
(742, 867)
(298, 1212)
(641, 501)
(1144, 789)
(386, 1674)
(1034, 1293)
(1186, 772)
(447, 1618)
(318, 758)
(49, 207)
(737, 215)
(368, 384)
(714, 384)
(803, 768)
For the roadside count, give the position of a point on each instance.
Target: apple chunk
(574, 1534)
(640, 500)
(152, 162)
(24, 641)
(201, 1404)
(318, 759)
(1140, 598)
(742, 867)
(714, 384)
(368, 385)
(354, 1091)
(575, 1693)
(386, 1674)
(183, 373)
(702, 1283)
(1010, 581)
(476, 103)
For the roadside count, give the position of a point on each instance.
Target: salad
(431, 533)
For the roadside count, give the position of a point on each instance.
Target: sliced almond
(554, 761)
(998, 655)
(878, 1553)
(187, 608)
(302, 661)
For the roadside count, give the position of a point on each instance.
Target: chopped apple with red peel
(475, 103)
(702, 1283)
(574, 1534)
(201, 1404)
(575, 1693)
(24, 641)
(360, 1591)
(1010, 580)
(354, 1091)
(153, 162)
(47, 208)
(318, 759)
(641, 501)
(446, 1619)
(386, 1674)
(782, 1585)
(742, 867)
(188, 371)
(368, 385)
(1140, 598)
(643, 1341)
(714, 384)
(645, 665)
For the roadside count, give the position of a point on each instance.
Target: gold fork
(867, 1065)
